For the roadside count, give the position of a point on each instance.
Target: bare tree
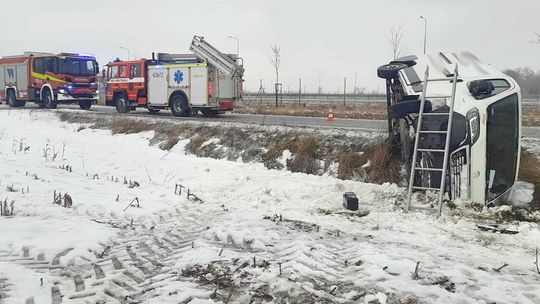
(275, 60)
(395, 40)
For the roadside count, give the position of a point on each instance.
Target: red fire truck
(48, 79)
(207, 81)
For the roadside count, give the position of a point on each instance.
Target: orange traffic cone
(330, 117)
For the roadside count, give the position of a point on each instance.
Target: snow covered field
(256, 235)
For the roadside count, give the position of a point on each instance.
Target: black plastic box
(350, 201)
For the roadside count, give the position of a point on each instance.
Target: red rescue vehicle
(207, 81)
(48, 79)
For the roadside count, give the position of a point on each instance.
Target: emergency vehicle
(207, 81)
(48, 79)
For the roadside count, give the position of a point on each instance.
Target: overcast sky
(329, 40)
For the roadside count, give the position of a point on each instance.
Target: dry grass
(305, 156)
(531, 116)
(350, 165)
(376, 111)
(200, 135)
(130, 126)
(384, 168)
(195, 144)
(365, 111)
(253, 145)
(529, 171)
(275, 146)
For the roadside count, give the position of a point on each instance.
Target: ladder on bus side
(418, 143)
(222, 62)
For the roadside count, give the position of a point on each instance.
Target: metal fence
(314, 99)
(335, 99)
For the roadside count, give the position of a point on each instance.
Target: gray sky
(333, 39)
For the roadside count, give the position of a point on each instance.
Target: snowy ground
(257, 236)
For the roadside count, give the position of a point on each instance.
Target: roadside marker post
(330, 117)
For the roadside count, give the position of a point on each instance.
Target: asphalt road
(273, 120)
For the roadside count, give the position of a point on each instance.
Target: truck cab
(126, 81)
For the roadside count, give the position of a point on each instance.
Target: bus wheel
(85, 104)
(122, 104)
(179, 105)
(47, 101)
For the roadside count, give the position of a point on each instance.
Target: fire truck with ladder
(208, 81)
(48, 79)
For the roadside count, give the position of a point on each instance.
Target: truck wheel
(209, 112)
(85, 104)
(179, 105)
(390, 71)
(402, 108)
(47, 101)
(122, 104)
(406, 144)
(12, 101)
(10, 98)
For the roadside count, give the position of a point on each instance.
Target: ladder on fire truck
(418, 142)
(223, 62)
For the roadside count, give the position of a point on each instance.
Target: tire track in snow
(140, 258)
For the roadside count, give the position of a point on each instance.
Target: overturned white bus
(484, 146)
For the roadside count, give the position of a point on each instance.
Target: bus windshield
(76, 66)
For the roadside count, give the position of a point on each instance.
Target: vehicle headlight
(473, 117)
(62, 91)
(97, 91)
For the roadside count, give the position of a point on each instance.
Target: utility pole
(299, 90)
(425, 32)
(344, 90)
(319, 89)
(355, 83)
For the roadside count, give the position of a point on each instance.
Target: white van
(486, 125)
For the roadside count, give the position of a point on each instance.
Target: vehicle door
(136, 82)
